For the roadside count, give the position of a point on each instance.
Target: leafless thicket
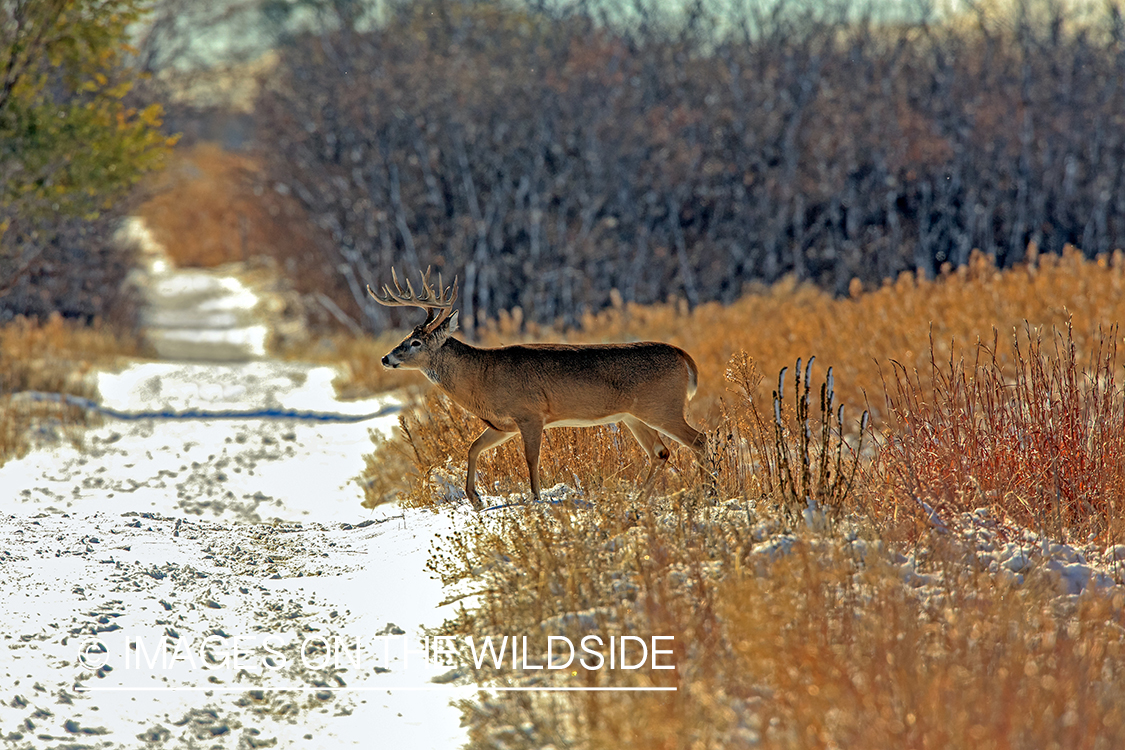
(549, 159)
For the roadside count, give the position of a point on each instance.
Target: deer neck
(452, 368)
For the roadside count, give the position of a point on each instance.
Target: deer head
(416, 350)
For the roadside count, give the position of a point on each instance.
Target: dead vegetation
(815, 604)
(831, 594)
(211, 206)
(57, 356)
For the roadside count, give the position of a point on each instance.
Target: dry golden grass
(859, 660)
(797, 634)
(857, 336)
(822, 652)
(53, 357)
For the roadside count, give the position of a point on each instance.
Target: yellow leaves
(120, 90)
(64, 121)
(99, 84)
(152, 116)
(106, 57)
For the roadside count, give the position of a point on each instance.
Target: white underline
(400, 688)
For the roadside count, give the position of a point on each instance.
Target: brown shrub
(814, 639)
(212, 206)
(1041, 441)
(56, 356)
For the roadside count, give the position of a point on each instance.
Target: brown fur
(523, 389)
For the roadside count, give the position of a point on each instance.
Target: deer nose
(387, 361)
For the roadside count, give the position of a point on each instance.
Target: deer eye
(415, 343)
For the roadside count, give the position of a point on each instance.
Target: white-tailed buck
(520, 390)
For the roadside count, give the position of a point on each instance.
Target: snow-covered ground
(224, 527)
(226, 469)
(176, 582)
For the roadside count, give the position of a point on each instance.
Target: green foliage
(69, 141)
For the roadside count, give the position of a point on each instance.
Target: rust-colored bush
(1039, 440)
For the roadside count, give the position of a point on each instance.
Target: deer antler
(437, 304)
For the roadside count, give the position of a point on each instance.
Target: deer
(525, 388)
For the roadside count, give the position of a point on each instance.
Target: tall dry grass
(804, 472)
(823, 652)
(868, 625)
(56, 356)
(856, 336)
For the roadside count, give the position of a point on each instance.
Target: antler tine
(428, 299)
(398, 295)
(389, 298)
(413, 294)
(437, 297)
(445, 297)
(441, 307)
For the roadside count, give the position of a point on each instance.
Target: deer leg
(697, 441)
(679, 430)
(649, 440)
(490, 438)
(532, 432)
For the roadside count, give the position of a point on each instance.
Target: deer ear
(451, 324)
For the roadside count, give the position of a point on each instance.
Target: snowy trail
(175, 583)
(158, 529)
(250, 470)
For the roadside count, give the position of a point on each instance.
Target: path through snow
(188, 534)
